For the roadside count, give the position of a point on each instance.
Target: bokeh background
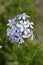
(30, 53)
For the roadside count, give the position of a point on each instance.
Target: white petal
(18, 25)
(14, 28)
(21, 41)
(31, 26)
(26, 26)
(23, 17)
(9, 20)
(8, 34)
(21, 22)
(25, 22)
(20, 34)
(32, 37)
(0, 46)
(26, 36)
(32, 23)
(27, 31)
(16, 34)
(24, 14)
(8, 24)
(12, 33)
(8, 31)
(18, 30)
(21, 29)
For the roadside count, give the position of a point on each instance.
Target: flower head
(20, 28)
(23, 16)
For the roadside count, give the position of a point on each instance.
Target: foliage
(24, 54)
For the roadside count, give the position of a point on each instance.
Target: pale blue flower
(11, 22)
(26, 36)
(29, 35)
(23, 16)
(26, 31)
(25, 24)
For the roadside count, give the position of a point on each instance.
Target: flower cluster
(19, 28)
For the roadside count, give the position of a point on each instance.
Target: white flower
(0, 46)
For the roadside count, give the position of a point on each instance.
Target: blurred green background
(31, 52)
